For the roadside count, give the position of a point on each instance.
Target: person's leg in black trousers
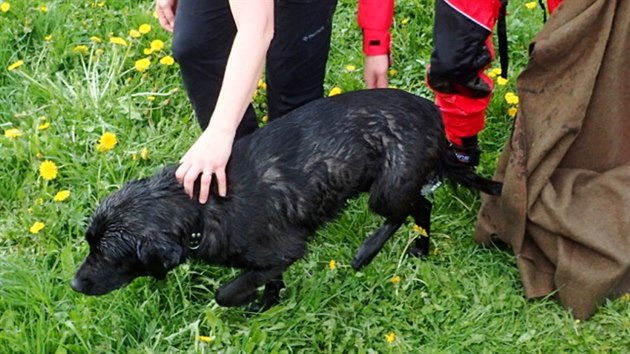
(202, 38)
(296, 60)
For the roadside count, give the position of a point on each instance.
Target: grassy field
(74, 76)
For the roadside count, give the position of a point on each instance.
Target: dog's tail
(457, 172)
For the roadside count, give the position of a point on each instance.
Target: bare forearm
(245, 65)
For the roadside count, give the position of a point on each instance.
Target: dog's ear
(159, 256)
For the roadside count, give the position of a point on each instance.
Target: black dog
(285, 181)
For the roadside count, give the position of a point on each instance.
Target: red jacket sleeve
(375, 18)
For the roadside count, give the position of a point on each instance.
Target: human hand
(375, 69)
(166, 13)
(208, 156)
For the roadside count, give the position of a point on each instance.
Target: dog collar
(194, 240)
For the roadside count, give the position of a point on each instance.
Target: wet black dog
(285, 181)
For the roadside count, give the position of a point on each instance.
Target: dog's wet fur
(284, 182)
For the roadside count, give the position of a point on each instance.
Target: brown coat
(565, 208)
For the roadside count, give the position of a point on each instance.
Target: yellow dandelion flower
(37, 227)
(335, 91)
(118, 40)
(501, 81)
(48, 170)
(12, 133)
(262, 84)
(350, 67)
(404, 21)
(107, 142)
(144, 154)
(48, 38)
(390, 337)
(43, 126)
(144, 28)
(512, 112)
(531, 5)
(5, 7)
(392, 72)
(395, 279)
(207, 339)
(96, 39)
(15, 65)
(151, 98)
(419, 229)
(157, 45)
(142, 64)
(61, 195)
(81, 49)
(511, 98)
(134, 33)
(332, 265)
(147, 51)
(167, 60)
(43, 8)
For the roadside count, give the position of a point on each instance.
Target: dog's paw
(421, 247)
(417, 252)
(358, 263)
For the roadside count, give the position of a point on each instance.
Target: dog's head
(132, 233)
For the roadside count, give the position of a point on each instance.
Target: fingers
(204, 188)
(187, 175)
(166, 14)
(375, 71)
(207, 157)
(221, 181)
(376, 80)
(381, 81)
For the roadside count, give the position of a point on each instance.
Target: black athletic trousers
(296, 60)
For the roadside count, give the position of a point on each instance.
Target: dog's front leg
(242, 290)
(271, 295)
(422, 218)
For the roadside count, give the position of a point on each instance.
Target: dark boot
(468, 153)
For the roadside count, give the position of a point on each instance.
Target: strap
(542, 5)
(503, 43)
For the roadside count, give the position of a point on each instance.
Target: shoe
(468, 153)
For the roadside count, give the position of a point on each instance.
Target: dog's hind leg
(270, 296)
(370, 247)
(422, 218)
(242, 290)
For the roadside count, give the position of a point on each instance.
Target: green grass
(463, 299)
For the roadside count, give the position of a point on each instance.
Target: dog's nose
(74, 284)
(78, 285)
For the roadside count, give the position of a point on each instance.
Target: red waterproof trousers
(462, 50)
